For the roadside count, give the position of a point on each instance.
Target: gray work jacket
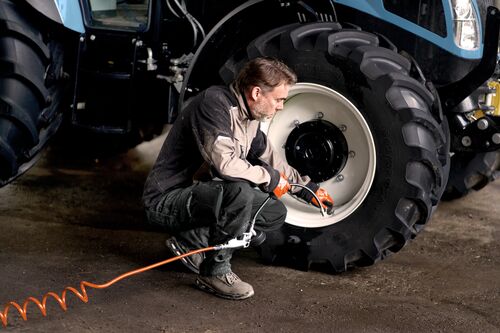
(215, 136)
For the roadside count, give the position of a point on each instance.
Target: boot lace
(231, 278)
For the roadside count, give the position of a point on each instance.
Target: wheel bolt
(343, 128)
(296, 123)
(482, 124)
(320, 115)
(339, 178)
(496, 138)
(352, 153)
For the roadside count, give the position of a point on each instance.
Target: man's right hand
(283, 186)
(325, 199)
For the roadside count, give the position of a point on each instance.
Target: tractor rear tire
(471, 172)
(398, 144)
(30, 89)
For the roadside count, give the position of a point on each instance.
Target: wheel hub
(318, 149)
(304, 134)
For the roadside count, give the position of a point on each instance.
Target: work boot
(192, 262)
(258, 238)
(227, 285)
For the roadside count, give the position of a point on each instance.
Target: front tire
(396, 161)
(30, 88)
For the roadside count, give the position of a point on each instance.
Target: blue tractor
(388, 90)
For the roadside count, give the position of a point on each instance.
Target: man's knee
(272, 216)
(278, 215)
(205, 203)
(239, 193)
(281, 212)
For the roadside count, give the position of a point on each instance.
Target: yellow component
(495, 97)
(477, 114)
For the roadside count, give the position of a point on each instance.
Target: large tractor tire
(30, 77)
(471, 172)
(362, 122)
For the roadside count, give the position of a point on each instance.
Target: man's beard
(260, 115)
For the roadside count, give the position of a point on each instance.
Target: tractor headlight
(466, 27)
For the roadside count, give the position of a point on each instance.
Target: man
(216, 168)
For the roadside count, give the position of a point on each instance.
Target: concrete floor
(71, 219)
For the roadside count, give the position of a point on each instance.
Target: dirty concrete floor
(71, 219)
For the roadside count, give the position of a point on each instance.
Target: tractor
(396, 100)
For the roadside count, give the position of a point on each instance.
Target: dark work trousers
(211, 213)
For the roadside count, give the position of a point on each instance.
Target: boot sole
(205, 287)
(175, 249)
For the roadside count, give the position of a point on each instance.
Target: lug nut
(320, 115)
(466, 141)
(293, 239)
(482, 124)
(343, 128)
(296, 123)
(352, 153)
(339, 178)
(496, 138)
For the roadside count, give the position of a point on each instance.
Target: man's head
(265, 83)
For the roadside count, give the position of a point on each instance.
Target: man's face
(266, 104)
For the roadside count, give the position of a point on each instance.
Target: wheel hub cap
(317, 149)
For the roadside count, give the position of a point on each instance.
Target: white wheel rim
(307, 102)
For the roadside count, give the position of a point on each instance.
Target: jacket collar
(243, 109)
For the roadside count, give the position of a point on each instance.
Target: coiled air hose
(243, 241)
(82, 294)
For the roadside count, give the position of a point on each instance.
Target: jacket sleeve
(262, 153)
(211, 126)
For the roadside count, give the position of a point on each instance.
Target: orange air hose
(83, 294)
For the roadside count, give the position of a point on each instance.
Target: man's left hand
(325, 199)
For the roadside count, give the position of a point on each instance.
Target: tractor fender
(232, 33)
(65, 12)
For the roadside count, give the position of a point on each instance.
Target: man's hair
(266, 73)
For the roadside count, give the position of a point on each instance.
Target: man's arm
(211, 126)
(262, 153)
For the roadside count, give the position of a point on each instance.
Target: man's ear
(255, 92)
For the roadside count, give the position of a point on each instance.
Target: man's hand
(283, 186)
(278, 185)
(325, 199)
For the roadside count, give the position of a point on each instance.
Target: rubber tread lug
(304, 37)
(10, 69)
(375, 61)
(267, 44)
(9, 156)
(20, 116)
(400, 80)
(16, 30)
(343, 42)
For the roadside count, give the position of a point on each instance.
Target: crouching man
(215, 169)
